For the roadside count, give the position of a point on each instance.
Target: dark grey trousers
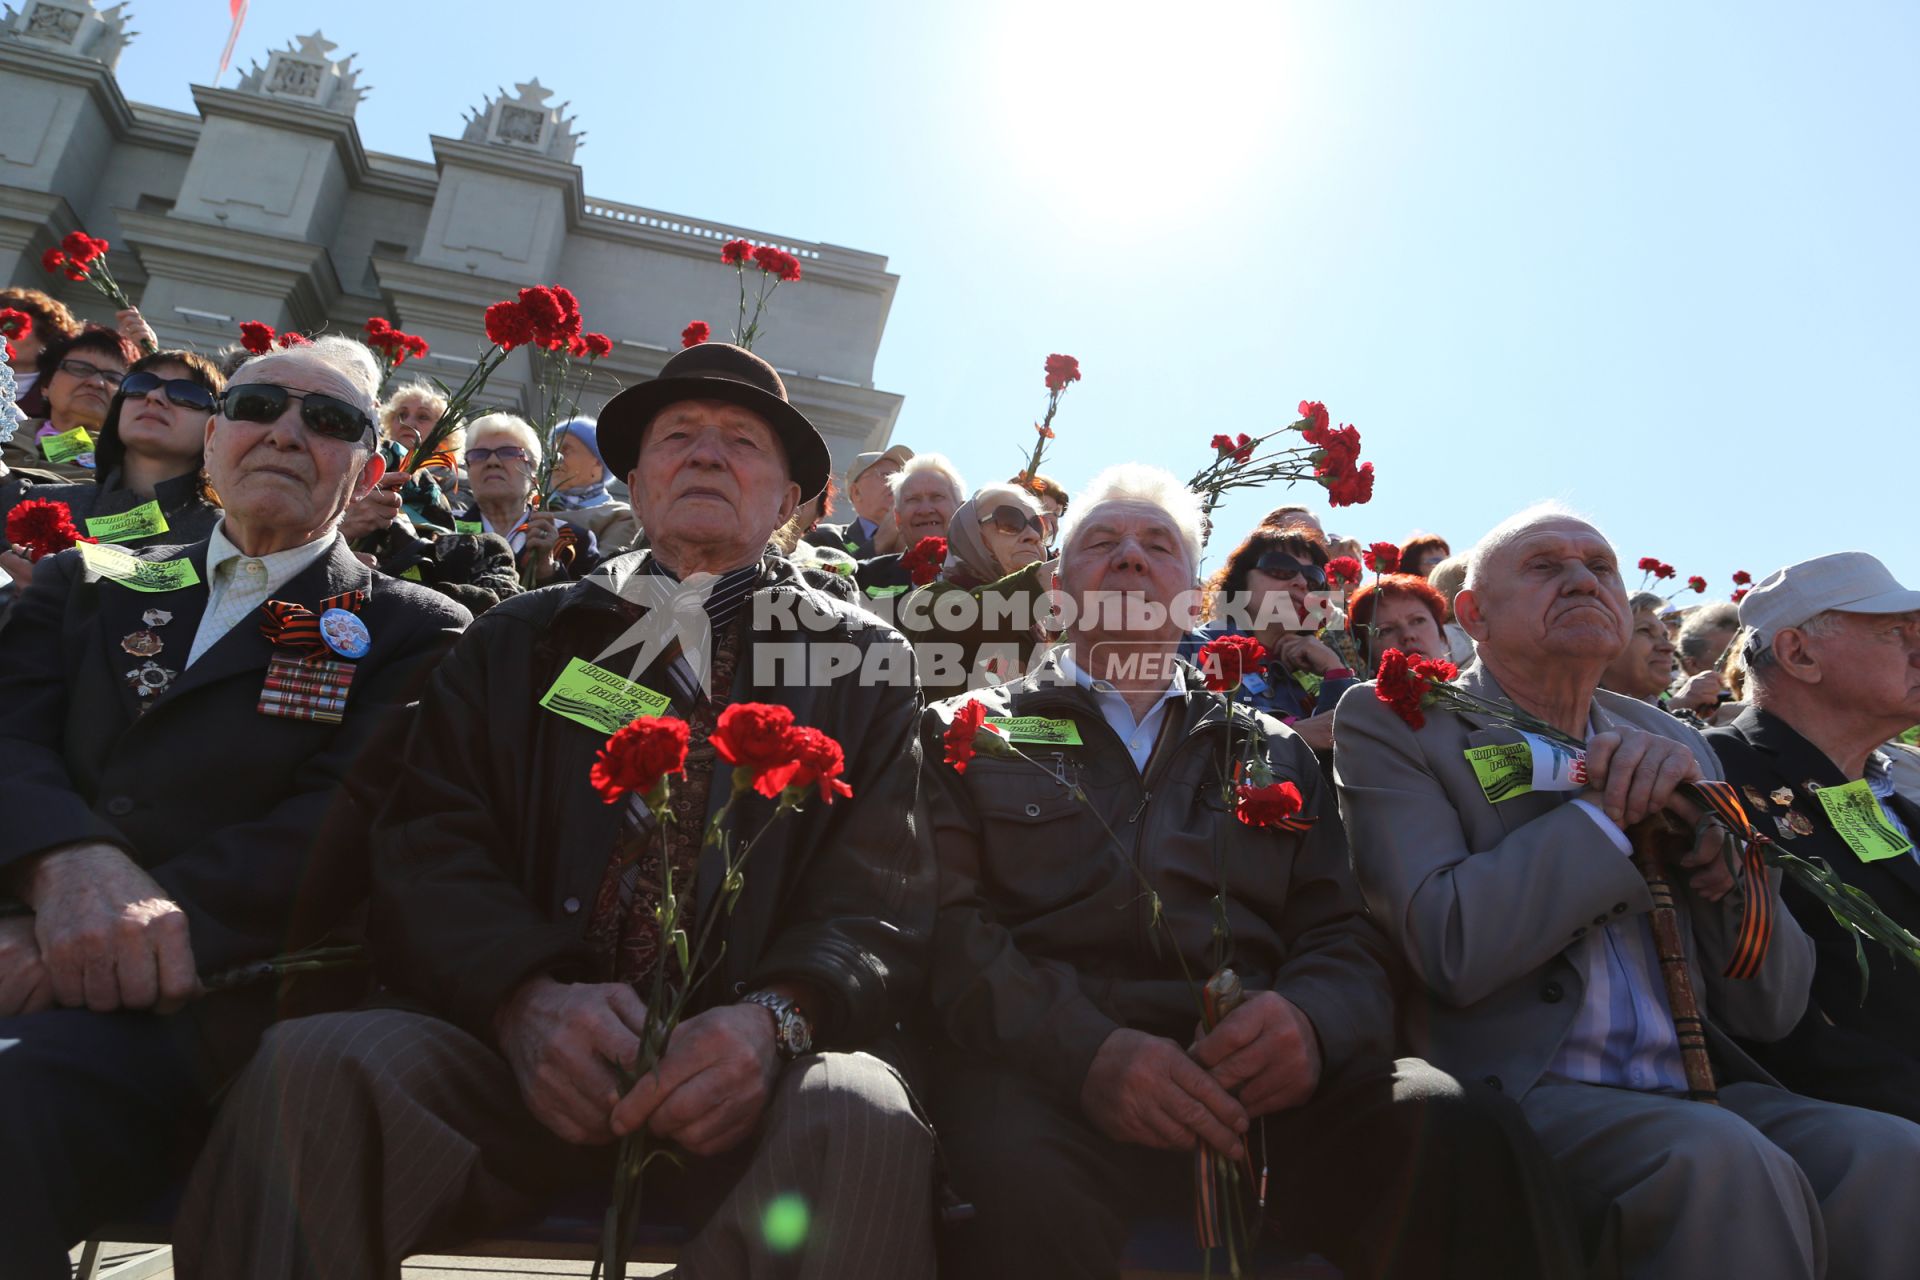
(356, 1139)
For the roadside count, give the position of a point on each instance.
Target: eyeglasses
(505, 452)
(1012, 521)
(83, 371)
(1278, 564)
(325, 415)
(180, 391)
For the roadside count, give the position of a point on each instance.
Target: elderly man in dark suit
(179, 729)
(1523, 916)
(513, 913)
(1834, 663)
(1079, 888)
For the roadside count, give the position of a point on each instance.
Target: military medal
(142, 644)
(1810, 786)
(1783, 797)
(156, 617)
(150, 679)
(1780, 824)
(1756, 798)
(1798, 823)
(345, 634)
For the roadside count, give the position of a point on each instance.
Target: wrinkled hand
(108, 934)
(134, 328)
(1301, 652)
(18, 567)
(25, 984)
(1316, 731)
(712, 1083)
(1632, 773)
(1142, 1089)
(1266, 1052)
(1712, 874)
(543, 532)
(1700, 694)
(375, 512)
(562, 1041)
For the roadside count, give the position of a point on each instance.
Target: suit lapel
(122, 615)
(243, 648)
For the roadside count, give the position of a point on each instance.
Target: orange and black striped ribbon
(296, 628)
(1756, 911)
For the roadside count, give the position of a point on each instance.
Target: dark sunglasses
(1278, 564)
(325, 415)
(82, 370)
(181, 391)
(505, 452)
(1011, 520)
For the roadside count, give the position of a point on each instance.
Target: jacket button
(1619, 908)
(1033, 810)
(1599, 922)
(571, 906)
(1493, 1083)
(1552, 993)
(120, 806)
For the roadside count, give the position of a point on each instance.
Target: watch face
(795, 1036)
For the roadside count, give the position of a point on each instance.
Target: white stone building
(265, 206)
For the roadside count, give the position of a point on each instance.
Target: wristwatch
(792, 1033)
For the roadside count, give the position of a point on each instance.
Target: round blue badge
(345, 634)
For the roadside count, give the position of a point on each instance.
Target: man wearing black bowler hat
(513, 932)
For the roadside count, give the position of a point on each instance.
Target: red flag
(238, 8)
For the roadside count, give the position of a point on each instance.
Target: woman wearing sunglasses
(1274, 588)
(146, 483)
(78, 378)
(503, 460)
(997, 557)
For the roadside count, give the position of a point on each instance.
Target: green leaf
(680, 949)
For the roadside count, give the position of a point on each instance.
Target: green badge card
(1855, 813)
(144, 521)
(135, 574)
(1037, 730)
(1505, 769)
(67, 446)
(599, 699)
(468, 526)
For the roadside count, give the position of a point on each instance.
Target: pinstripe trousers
(355, 1139)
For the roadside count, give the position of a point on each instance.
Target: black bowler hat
(716, 371)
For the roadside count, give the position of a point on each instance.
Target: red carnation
(1353, 489)
(53, 260)
(1382, 557)
(776, 262)
(598, 344)
(1698, 583)
(1060, 371)
(1649, 564)
(39, 528)
(1665, 571)
(1266, 806)
(377, 327)
(1404, 683)
(1740, 595)
(638, 758)
(757, 737)
(735, 252)
(1314, 414)
(817, 760)
(14, 324)
(1225, 659)
(76, 272)
(292, 339)
(1239, 448)
(256, 336)
(962, 737)
(416, 345)
(82, 248)
(924, 562)
(1740, 576)
(695, 334)
(508, 325)
(1223, 444)
(1343, 571)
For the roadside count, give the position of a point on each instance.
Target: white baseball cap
(1845, 582)
(899, 453)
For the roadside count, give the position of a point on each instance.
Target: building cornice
(231, 258)
(520, 166)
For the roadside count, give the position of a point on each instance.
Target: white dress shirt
(1138, 735)
(238, 584)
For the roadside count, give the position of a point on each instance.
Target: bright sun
(1126, 113)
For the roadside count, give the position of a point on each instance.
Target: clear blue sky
(1658, 261)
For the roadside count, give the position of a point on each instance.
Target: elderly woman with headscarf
(979, 616)
(580, 488)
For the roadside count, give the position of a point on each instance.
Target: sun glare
(1119, 114)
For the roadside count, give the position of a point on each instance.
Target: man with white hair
(179, 734)
(926, 493)
(1522, 915)
(1834, 661)
(1087, 891)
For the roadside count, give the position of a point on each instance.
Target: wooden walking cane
(1651, 837)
